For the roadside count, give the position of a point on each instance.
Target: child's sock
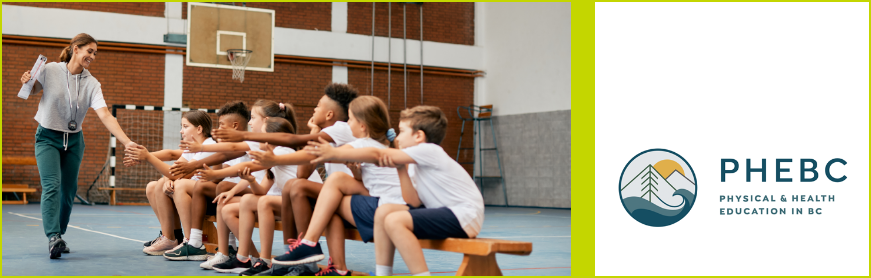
(232, 241)
(383, 270)
(342, 272)
(196, 238)
(267, 261)
(242, 259)
(309, 242)
(423, 274)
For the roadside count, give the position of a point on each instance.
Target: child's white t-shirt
(341, 134)
(190, 156)
(442, 182)
(259, 175)
(233, 162)
(381, 182)
(284, 173)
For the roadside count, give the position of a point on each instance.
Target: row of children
(392, 196)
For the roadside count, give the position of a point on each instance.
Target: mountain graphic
(649, 185)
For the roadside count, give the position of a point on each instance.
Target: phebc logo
(658, 187)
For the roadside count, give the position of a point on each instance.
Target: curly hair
(235, 107)
(342, 94)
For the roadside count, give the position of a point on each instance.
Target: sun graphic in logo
(656, 189)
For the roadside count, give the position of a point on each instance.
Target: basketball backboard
(214, 28)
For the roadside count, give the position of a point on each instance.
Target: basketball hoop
(238, 60)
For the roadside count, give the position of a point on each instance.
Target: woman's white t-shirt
(442, 182)
(191, 156)
(284, 173)
(381, 182)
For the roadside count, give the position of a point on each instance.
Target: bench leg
(210, 237)
(479, 266)
(112, 198)
(24, 197)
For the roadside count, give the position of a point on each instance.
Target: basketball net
(238, 60)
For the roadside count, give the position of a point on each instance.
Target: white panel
(528, 62)
(340, 17)
(173, 10)
(173, 18)
(340, 74)
(359, 47)
(63, 23)
(172, 96)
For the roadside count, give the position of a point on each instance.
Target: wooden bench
(112, 196)
(18, 188)
(479, 254)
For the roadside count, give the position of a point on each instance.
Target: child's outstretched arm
(257, 188)
(269, 159)
(325, 152)
(142, 153)
(277, 139)
(195, 146)
(185, 168)
(209, 174)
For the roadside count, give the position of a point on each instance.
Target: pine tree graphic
(648, 179)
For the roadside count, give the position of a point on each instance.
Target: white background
(735, 80)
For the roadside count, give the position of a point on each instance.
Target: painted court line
(522, 236)
(504, 269)
(83, 229)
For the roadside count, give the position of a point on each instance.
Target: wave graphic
(652, 215)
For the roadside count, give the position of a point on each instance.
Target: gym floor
(107, 240)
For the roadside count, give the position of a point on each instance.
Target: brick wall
(300, 85)
(446, 92)
(146, 9)
(126, 78)
(309, 16)
(442, 22)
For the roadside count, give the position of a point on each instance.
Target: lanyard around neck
(69, 94)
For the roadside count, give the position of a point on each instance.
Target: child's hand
(129, 161)
(169, 188)
(138, 153)
(228, 135)
(315, 129)
(223, 198)
(182, 168)
(206, 173)
(321, 149)
(387, 161)
(191, 146)
(263, 158)
(245, 174)
(355, 169)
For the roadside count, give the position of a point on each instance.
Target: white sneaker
(216, 259)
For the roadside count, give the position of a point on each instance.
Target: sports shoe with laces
(159, 247)
(232, 265)
(259, 266)
(308, 269)
(300, 253)
(56, 246)
(214, 260)
(149, 243)
(187, 253)
(332, 271)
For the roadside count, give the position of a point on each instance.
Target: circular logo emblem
(658, 187)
